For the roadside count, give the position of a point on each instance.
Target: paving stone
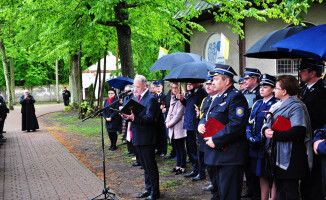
(34, 165)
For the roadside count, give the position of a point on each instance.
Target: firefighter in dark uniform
(252, 94)
(313, 94)
(66, 96)
(226, 152)
(251, 81)
(161, 142)
(202, 112)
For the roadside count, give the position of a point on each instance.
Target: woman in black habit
(29, 121)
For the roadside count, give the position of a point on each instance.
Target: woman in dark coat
(29, 121)
(293, 150)
(254, 135)
(112, 118)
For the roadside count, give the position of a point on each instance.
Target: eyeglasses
(110, 93)
(278, 88)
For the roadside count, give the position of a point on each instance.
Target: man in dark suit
(144, 136)
(227, 150)
(313, 94)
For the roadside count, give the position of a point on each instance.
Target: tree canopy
(36, 33)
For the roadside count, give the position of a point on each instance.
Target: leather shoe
(174, 170)
(246, 194)
(180, 171)
(191, 174)
(4, 139)
(208, 188)
(146, 193)
(153, 197)
(198, 178)
(4, 131)
(136, 164)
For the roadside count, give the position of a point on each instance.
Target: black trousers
(113, 138)
(227, 181)
(66, 102)
(191, 138)
(1, 128)
(146, 154)
(180, 152)
(287, 189)
(311, 186)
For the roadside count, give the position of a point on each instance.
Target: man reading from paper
(144, 136)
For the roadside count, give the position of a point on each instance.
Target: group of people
(274, 160)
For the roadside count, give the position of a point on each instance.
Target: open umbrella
(263, 47)
(310, 43)
(120, 82)
(192, 72)
(172, 60)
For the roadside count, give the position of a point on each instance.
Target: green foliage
(234, 12)
(67, 108)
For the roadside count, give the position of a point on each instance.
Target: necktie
(138, 98)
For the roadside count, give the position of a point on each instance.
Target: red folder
(281, 124)
(212, 127)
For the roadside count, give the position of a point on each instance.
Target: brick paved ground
(34, 165)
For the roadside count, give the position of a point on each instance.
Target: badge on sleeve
(240, 111)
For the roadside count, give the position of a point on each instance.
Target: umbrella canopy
(310, 43)
(120, 82)
(170, 61)
(263, 47)
(192, 72)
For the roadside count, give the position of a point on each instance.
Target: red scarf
(110, 100)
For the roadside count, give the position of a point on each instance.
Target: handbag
(281, 124)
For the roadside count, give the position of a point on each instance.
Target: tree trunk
(12, 82)
(99, 85)
(125, 50)
(80, 72)
(74, 81)
(124, 40)
(104, 76)
(6, 74)
(57, 80)
(94, 86)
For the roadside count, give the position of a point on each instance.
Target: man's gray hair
(141, 78)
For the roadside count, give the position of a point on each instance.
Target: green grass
(90, 127)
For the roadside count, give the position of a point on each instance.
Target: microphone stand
(105, 191)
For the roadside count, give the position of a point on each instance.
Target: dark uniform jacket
(115, 123)
(255, 91)
(66, 94)
(231, 147)
(143, 127)
(160, 97)
(256, 121)
(315, 99)
(203, 110)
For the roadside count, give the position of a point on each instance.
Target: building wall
(46, 93)
(254, 30)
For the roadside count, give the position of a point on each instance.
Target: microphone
(126, 92)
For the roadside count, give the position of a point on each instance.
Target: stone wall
(44, 93)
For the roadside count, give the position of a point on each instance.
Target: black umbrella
(172, 60)
(192, 72)
(263, 47)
